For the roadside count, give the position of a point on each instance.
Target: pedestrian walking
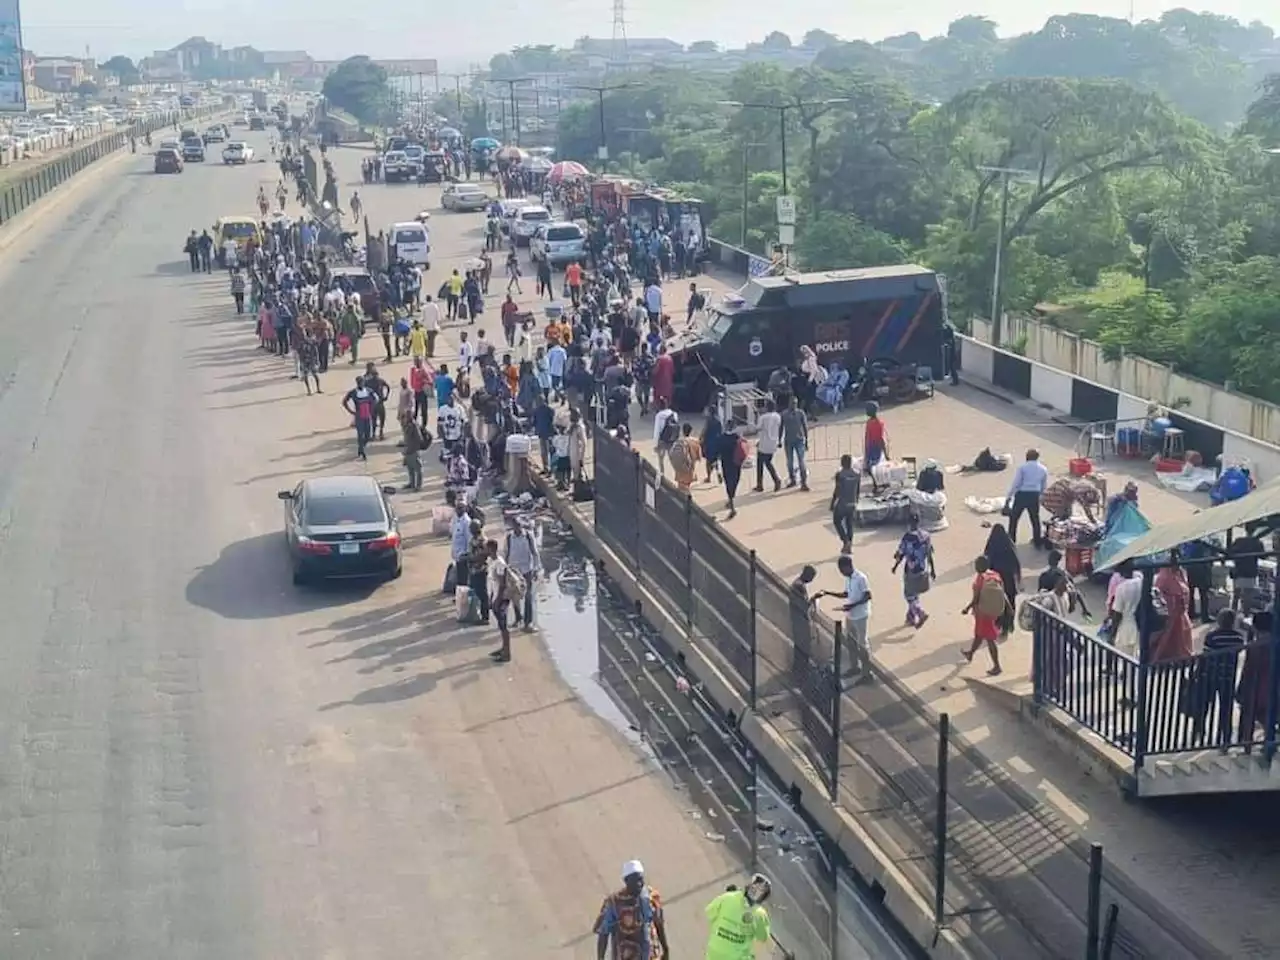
(414, 443)
(795, 440)
(846, 488)
(1029, 483)
(632, 919)
(523, 560)
(768, 438)
(915, 556)
(499, 587)
(988, 605)
(238, 289)
(360, 403)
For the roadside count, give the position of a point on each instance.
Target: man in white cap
(632, 920)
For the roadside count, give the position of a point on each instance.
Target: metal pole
(995, 283)
(457, 85)
(742, 242)
(603, 152)
(1095, 901)
(515, 112)
(940, 824)
(753, 573)
(782, 125)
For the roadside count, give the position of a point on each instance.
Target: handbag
(916, 583)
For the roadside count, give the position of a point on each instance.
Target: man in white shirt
(522, 556)
(557, 361)
(460, 541)
(768, 436)
(1029, 482)
(431, 323)
(230, 254)
(449, 423)
(466, 352)
(666, 430)
(857, 617)
(653, 301)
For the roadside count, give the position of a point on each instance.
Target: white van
(410, 241)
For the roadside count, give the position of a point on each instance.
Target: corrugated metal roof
(1262, 503)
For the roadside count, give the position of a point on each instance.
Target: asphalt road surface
(199, 760)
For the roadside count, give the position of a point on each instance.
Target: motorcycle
(884, 380)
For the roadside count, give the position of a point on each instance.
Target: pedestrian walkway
(1163, 855)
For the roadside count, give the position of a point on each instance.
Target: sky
(333, 29)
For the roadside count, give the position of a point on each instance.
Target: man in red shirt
(419, 383)
(509, 311)
(875, 445)
(573, 277)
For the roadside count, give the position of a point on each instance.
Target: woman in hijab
(1174, 641)
(1002, 556)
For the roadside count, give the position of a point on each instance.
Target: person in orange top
(875, 442)
(552, 333)
(512, 373)
(983, 605)
(573, 279)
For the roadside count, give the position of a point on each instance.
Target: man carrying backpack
(666, 430)
(361, 403)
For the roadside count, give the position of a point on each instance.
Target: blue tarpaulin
(1127, 524)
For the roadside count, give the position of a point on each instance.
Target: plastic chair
(1104, 439)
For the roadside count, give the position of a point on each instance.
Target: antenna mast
(618, 53)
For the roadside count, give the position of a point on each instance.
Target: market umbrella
(540, 165)
(567, 170)
(511, 153)
(485, 143)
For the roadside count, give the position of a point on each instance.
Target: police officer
(738, 921)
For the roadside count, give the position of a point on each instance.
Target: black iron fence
(875, 747)
(782, 658)
(28, 187)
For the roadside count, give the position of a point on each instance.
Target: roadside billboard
(13, 92)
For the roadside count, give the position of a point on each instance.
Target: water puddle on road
(628, 676)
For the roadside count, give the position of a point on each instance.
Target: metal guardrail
(1221, 699)
(22, 191)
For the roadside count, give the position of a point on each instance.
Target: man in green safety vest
(738, 921)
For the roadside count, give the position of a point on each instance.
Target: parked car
(168, 160)
(237, 152)
(469, 197)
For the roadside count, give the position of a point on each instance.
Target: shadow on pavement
(250, 580)
(412, 687)
(178, 268)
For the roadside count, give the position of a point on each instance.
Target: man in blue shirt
(1029, 482)
(444, 386)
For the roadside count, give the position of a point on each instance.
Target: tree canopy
(123, 69)
(359, 86)
(1142, 191)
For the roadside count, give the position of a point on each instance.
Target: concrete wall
(1133, 375)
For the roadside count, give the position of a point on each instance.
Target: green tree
(777, 40)
(359, 86)
(1231, 330)
(1262, 118)
(87, 88)
(835, 241)
(123, 69)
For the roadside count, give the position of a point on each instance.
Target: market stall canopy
(540, 165)
(485, 143)
(1259, 505)
(567, 170)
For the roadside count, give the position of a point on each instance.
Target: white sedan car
(237, 152)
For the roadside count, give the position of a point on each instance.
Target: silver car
(468, 197)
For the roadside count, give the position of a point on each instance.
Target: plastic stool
(1174, 444)
(1103, 439)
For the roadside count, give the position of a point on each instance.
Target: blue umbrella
(485, 143)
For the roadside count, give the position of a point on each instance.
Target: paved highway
(199, 760)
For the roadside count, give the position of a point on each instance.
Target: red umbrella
(567, 170)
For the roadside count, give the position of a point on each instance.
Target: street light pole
(997, 279)
(515, 110)
(746, 194)
(782, 109)
(602, 153)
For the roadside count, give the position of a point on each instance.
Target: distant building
(196, 53)
(59, 74)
